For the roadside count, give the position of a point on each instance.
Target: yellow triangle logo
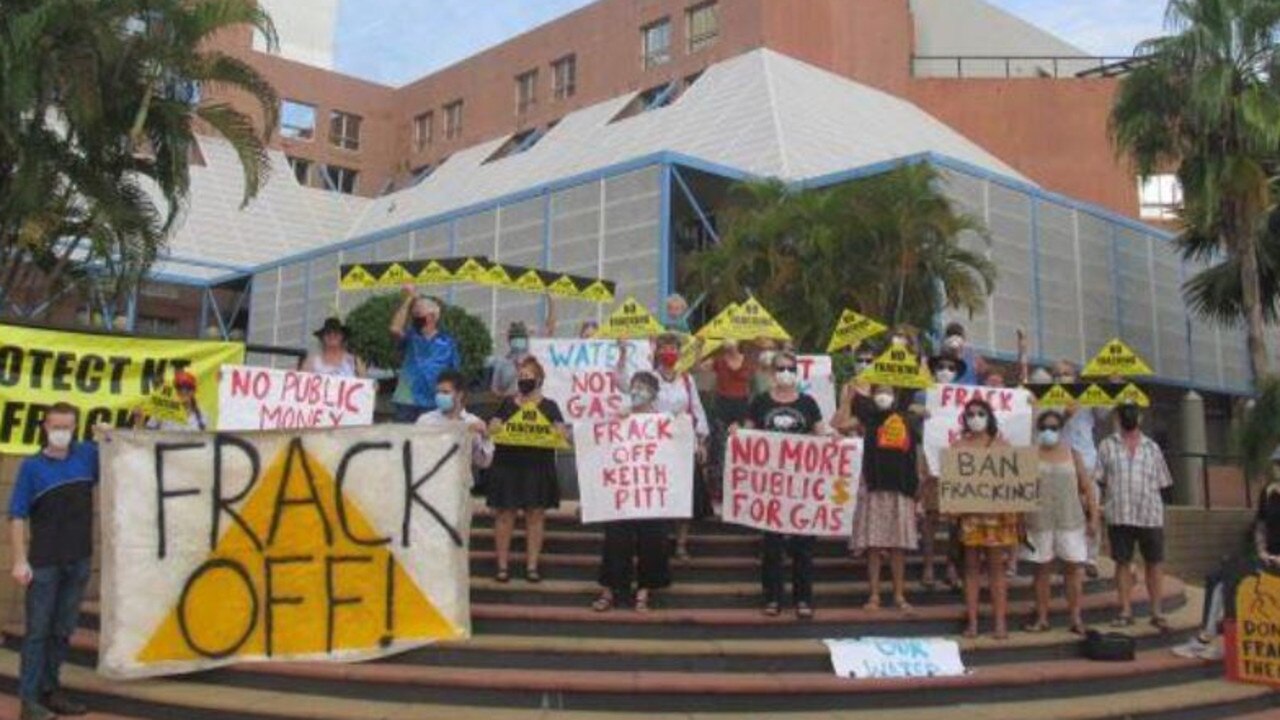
(1056, 397)
(1257, 603)
(1095, 397)
(396, 275)
(497, 276)
(358, 278)
(564, 286)
(852, 330)
(897, 367)
(434, 274)
(694, 350)
(1117, 360)
(528, 427)
(597, 292)
(752, 322)
(719, 325)
(163, 404)
(630, 321)
(529, 281)
(315, 591)
(1132, 394)
(472, 271)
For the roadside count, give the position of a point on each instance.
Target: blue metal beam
(665, 256)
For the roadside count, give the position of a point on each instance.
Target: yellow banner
(105, 376)
(530, 428)
(165, 405)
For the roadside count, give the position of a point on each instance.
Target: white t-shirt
(481, 447)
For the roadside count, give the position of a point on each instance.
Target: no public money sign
(251, 398)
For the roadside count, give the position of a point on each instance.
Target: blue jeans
(53, 607)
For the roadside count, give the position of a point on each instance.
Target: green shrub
(371, 340)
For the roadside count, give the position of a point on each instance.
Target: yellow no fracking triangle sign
(528, 427)
(1117, 360)
(897, 367)
(358, 278)
(852, 329)
(719, 325)
(1095, 397)
(1056, 397)
(629, 322)
(753, 322)
(1133, 394)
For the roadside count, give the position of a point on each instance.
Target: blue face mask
(444, 402)
(1049, 438)
(519, 344)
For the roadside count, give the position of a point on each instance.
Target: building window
(657, 43)
(565, 76)
(340, 179)
(704, 26)
(301, 170)
(297, 120)
(344, 130)
(453, 120)
(423, 129)
(153, 325)
(1160, 197)
(518, 143)
(526, 91)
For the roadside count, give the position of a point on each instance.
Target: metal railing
(1017, 66)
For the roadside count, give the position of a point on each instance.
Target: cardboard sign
(818, 380)
(252, 398)
(791, 484)
(872, 658)
(581, 375)
(1116, 360)
(165, 405)
(528, 427)
(752, 322)
(636, 468)
(945, 422)
(630, 321)
(999, 480)
(340, 545)
(897, 367)
(1253, 647)
(852, 330)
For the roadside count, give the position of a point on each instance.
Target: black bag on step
(1109, 647)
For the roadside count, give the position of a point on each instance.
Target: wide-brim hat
(333, 324)
(961, 366)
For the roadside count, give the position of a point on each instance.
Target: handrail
(1050, 66)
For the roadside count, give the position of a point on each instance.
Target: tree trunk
(1251, 296)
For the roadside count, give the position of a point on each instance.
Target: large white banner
(944, 424)
(791, 484)
(338, 545)
(253, 398)
(581, 375)
(817, 379)
(636, 468)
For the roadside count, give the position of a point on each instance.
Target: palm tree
(1205, 100)
(99, 105)
(886, 246)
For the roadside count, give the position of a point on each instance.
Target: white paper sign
(870, 658)
(818, 380)
(945, 404)
(254, 398)
(581, 375)
(635, 468)
(791, 484)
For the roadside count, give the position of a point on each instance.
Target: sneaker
(35, 711)
(1213, 651)
(61, 705)
(1193, 649)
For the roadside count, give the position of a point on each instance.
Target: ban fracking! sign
(251, 398)
(319, 546)
(791, 484)
(635, 468)
(997, 480)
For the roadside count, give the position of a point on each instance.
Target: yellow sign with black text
(897, 367)
(852, 330)
(631, 321)
(1116, 360)
(165, 405)
(528, 427)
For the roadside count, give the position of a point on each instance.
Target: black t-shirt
(794, 418)
(892, 440)
(1269, 518)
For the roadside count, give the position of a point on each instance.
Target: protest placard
(253, 398)
(528, 427)
(634, 468)
(632, 320)
(581, 375)
(852, 329)
(334, 545)
(994, 480)
(1253, 641)
(1116, 359)
(791, 484)
(870, 658)
(897, 367)
(944, 422)
(164, 405)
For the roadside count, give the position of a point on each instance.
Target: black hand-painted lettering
(411, 496)
(162, 494)
(340, 498)
(223, 505)
(332, 600)
(389, 607)
(283, 500)
(270, 598)
(185, 627)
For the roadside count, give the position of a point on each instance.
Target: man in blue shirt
(53, 497)
(427, 352)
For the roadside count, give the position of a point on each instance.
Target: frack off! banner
(945, 421)
(322, 546)
(634, 468)
(581, 375)
(251, 398)
(791, 484)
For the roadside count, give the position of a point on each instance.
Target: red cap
(184, 379)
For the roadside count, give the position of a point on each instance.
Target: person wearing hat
(505, 373)
(184, 384)
(334, 357)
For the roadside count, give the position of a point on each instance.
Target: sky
(398, 41)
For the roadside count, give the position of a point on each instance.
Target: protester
(53, 497)
(451, 407)
(1057, 532)
(1079, 430)
(784, 409)
(955, 344)
(184, 384)
(677, 319)
(677, 394)
(1135, 483)
(634, 561)
(733, 370)
(426, 349)
(588, 329)
(504, 370)
(946, 369)
(986, 537)
(524, 478)
(885, 517)
(335, 357)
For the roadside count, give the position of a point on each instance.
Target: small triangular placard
(564, 287)
(753, 322)
(528, 427)
(357, 277)
(897, 367)
(529, 281)
(1133, 395)
(1095, 397)
(629, 322)
(396, 275)
(1116, 360)
(852, 329)
(1056, 396)
(472, 270)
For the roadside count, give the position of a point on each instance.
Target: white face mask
(59, 439)
(787, 378)
(976, 424)
(945, 376)
(955, 342)
(1049, 438)
(766, 358)
(884, 401)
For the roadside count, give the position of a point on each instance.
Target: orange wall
(867, 40)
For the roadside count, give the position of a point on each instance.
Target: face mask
(668, 358)
(59, 439)
(787, 378)
(1049, 438)
(420, 323)
(444, 401)
(640, 397)
(527, 386)
(945, 376)
(884, 401)
(954, 343)
(519, 344)
(1129, 418)
(976, 423)
(766, 358)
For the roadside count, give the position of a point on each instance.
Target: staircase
(540, 652)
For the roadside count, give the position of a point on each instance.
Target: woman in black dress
(523, 478)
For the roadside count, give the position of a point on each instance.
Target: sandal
(970, 633)
(1078, 629)
(1122, 622)
(872, 605)
(532, 575)
(1036, 627)
(772, 609)
(604, 603)
(1160, 623)
(642, 601)
(903, 606)
(502, 576)
(804, 611)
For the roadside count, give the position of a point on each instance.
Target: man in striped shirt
(1136, 483)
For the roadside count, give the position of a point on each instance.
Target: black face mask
(1129, 418)
(420, 323)
(527, 386)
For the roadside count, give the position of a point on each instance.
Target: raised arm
(401, 317)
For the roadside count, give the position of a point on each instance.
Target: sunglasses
(946, 366)
(785, 368)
